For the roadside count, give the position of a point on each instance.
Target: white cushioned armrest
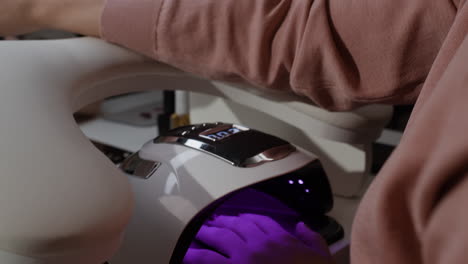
(58, 194)
(362, 125)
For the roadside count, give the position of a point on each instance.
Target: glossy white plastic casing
(187, 181)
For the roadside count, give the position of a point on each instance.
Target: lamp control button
(139, 167)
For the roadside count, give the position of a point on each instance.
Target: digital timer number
(221, 134)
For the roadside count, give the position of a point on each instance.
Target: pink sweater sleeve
(340, 54)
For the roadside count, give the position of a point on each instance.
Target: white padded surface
(58, 194)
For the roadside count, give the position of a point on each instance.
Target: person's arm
(78, 16)
(415, 210)
(24, 16)
(340, 54)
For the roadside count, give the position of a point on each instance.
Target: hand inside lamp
(256, 239)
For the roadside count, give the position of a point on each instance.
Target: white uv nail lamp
(197, 171)
(63, 201)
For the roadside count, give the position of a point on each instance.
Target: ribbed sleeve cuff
(131, 24)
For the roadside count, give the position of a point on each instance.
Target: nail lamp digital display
(222, 132)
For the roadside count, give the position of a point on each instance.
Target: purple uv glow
(291, 182)
(300, 181)
(307, 190)
(233, 250)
